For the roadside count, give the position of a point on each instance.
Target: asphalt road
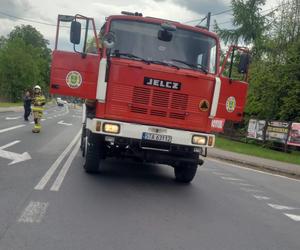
(48, 202)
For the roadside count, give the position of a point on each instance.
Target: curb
(258, 166)
(12, 109)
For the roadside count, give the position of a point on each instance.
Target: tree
(24, 62)
(248, 24)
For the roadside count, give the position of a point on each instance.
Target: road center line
(230, 178)
(11, 128)
(43, 182)
(251, 190)
(242, 184)
(60, 178)
(259, 197)
(281, 207)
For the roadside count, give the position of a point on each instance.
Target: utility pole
(208, 20)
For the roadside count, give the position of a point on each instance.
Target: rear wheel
(185, 173)
(92, 154)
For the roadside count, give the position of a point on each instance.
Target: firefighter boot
(37, 124)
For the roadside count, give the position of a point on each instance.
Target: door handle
(55, 86)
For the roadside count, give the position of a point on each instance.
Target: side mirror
(168, 26)
(164, 35)
(244, 63)
(75, 34)
(109, 40)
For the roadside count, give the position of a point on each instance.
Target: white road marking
(13, 118)
(10, 144)
(230, 178)
(293, 217)
(250, 169)
(11, 128)
(15, 157)
(280, 207)
(259, 197)
(251, 190)
(242, 184)
(64, 123)
(43, 182)
(219, 173)
(60, 178)
(76, 116)
(34, 212)
(43, 120)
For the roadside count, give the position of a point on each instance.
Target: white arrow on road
(13, 118)
(15, 157)
(64, 123)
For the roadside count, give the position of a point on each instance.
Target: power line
(213, 14)
(264, 11)
(27, 19)
(221, 12)
(36, 21)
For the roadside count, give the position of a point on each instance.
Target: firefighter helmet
(37, 87)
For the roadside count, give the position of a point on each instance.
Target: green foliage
(248, 23)
(274, 89)
(24, 62)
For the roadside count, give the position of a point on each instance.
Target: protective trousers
(37, 110)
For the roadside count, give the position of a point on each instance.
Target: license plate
(157, 137)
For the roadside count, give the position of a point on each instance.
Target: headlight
(199, 140)
(111, 128)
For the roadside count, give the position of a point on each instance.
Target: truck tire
(92, 155)
(83, 146)
(83, 135)
(185, 173)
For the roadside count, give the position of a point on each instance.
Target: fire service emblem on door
(230, 104)
(74, 79)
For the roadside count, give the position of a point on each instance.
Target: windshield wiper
(163, 63)
(131, 56)
(198, 66)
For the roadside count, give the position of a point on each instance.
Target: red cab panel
(232, 99)
(74, 75)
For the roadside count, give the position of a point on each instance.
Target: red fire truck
(154, 88)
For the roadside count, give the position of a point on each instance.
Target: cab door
(233, 84)
(76, 58)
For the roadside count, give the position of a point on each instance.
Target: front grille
(160, 99)
(159, 103)
(141, 95)
(138, 110)
(158, 113)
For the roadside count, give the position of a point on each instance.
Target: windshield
(185, 50)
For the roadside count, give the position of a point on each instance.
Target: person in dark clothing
(27, 105)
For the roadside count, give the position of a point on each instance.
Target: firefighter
(38, 102)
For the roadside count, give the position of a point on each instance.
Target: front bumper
(135, 131)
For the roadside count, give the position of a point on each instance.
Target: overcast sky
(47, 11)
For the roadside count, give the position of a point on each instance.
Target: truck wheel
(185, 173)
(92, 155)
(83, 135)
(84, 146)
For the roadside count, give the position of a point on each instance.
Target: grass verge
(10, 104)
(257, 150)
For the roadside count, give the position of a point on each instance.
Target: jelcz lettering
(162, 83)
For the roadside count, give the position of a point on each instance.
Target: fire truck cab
(154, 90)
